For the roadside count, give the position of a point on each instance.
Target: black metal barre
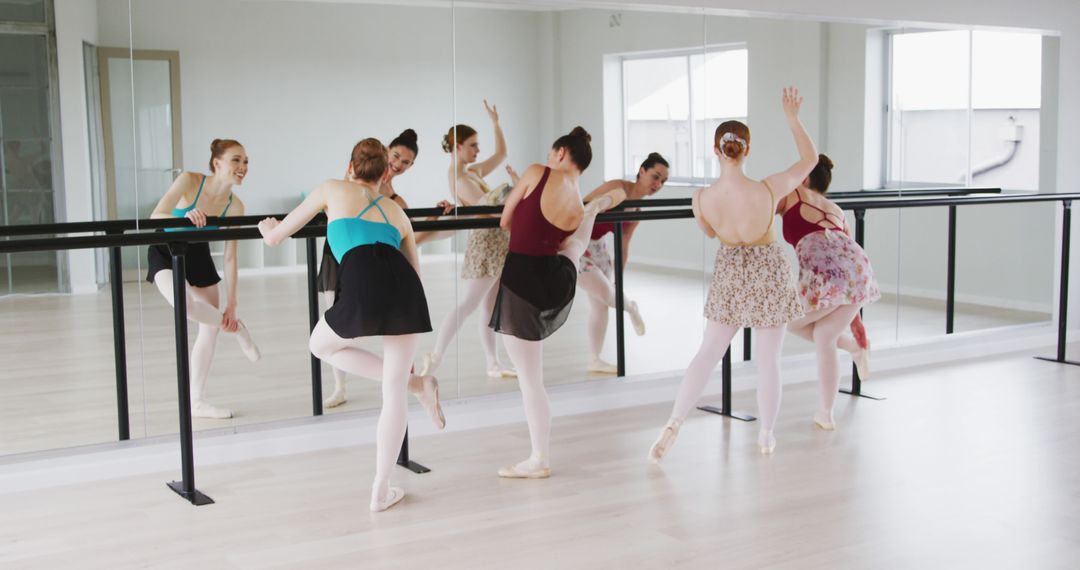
(186, 487)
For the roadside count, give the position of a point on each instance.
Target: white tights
(601, 292)
(475, 291)
(202, 307)
(528, 358)
(825, 329)
(715, 343)
(393, 369)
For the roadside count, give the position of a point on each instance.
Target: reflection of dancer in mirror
(835, 281)
(402, 154)
(596, 273)
(191, 196)
(380, 294)
(752, 285)
(549, 231)
(486, 248)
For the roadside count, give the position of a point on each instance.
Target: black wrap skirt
(378, 294)
(535, 295)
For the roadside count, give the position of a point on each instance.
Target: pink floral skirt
(833, 271)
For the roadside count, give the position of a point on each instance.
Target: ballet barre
(129, 233)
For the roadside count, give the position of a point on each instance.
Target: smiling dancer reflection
(549, 231)
(380, 294)
(596, 273)
(191, 196)
(752, 284)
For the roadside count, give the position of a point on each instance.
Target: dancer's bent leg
(337, 398)
(203, 312)
(527, 356)
(826, 331)
(495, 368)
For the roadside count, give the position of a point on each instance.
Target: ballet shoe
(861, 358)
(202, 409)
(336, 399)
(428, 395)
(247, 345)
(600, 366)
(528, 469)
(635, 317)
(498, 371)
(431, 362)
(394, 495)
(824, 420)
(665, 440)
(766, 442)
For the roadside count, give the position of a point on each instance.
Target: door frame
(104, 54)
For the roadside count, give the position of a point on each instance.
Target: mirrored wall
(106, 103)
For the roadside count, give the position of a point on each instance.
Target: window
(673, 101)
(964, 109)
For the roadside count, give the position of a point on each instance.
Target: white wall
(76, 22)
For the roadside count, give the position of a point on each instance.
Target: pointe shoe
(527, 469)
(428, 395)
(431, 362)
(600, 366)
(498, 371)
(247, 345)
(635, 317)
(336, 399)
(394, 495)
(766, 442)
(824, 420)
(861, 358)
(664, 441)
(202, 409)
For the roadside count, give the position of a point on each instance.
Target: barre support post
(856, 382)
(116, 285)
(186, 486)
(620, 332)
(1063, 287)
(313, 319)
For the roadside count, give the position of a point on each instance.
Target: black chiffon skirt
(328, 270)
(378, 294)
(535, 295)
(198, 265)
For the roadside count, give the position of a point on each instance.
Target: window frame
(628, 169)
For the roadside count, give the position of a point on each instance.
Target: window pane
(24, 113)
(29, 207)
(22, 11)
(721, 87)
(720, 84)
(657, 109)
(1006, 70)
(27, 165)
(23, 61)
(930, 70)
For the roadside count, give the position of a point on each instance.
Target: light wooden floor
(972, 465)
(58, 388)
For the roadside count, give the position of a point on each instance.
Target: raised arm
(489, 165)
(784, 182)
(274, 232)
(530, 178)
(603, 189)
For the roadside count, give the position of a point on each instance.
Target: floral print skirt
(596, 258)
(834, 270)
(485, 253)
(752, 286)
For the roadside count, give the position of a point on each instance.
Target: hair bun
(446, 144)
(825, 161)
(408, 135)
(580, 132)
